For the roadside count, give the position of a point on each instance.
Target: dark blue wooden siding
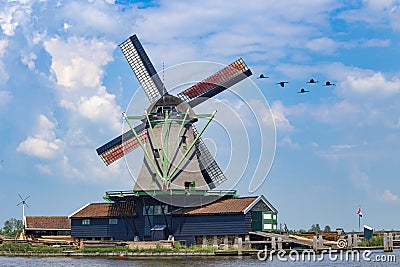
(100, 227)
(183, 228)
(196, 225)
(96, 228)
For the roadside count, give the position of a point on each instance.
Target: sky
(64, 83)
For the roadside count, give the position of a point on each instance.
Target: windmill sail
(216, 83)
(121, 145)
(143, 68)
(209, 168)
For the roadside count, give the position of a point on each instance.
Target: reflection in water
(190, 261)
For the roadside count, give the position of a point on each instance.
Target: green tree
(327, 228)
(315, 228)
(12, 227)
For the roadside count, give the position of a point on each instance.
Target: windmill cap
(168, 100)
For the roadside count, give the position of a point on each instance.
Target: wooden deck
(279, 238)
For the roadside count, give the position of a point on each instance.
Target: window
(155, 210)
(267, 216)
(112, 221)
(148, 210)
(189, 185)
(267, 226)
(86, 222)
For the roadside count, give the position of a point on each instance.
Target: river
(375, 258)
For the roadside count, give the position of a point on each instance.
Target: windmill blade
(27, 198)
(122, 145)
(143, 68)
(216, 83)
(211, 171)
(20, 203)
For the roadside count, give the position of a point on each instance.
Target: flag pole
(359, 219)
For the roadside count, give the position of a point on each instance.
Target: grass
(373, 242)
(18, 247)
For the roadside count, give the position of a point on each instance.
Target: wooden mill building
(38, 226)
(132, 216)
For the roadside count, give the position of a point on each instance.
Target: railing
(133, 193)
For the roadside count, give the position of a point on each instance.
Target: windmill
(23, 202)
(175, 156)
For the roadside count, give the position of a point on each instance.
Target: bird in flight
(262, 76)
(282, 84)
(312, 81)
(328, 83)
(302, 91)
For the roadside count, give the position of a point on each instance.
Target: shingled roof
(226, 206)
(104, 210)
(48, 222)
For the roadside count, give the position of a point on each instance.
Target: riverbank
(147, 254)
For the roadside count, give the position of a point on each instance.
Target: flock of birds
(302, 90)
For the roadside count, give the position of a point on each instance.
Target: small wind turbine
(23, 202)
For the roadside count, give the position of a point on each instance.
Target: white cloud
(375, 43)
(279, 113)
(7, 23)
(388, 196)
(38, 147)
(374, 85)
(342, 147)
(287, 141)
(101, 108)
(44, 143)
(77, 61)
(96, 15)
(362, 181)
(28, 59)
(44, 169)
(78, 65)
(3, 71)
(322, 45)
(377, 13)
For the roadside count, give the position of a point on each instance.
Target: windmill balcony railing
(132, 193)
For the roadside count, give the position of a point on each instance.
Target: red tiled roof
(48, 222)
(232, 205)
(104, 210)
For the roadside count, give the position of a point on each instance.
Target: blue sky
(64, 83)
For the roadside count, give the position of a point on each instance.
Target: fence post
(240, 246)
(315, 243)
(320, 242)
(279, 243)
(349, 241)
(355, 241)
(273, 243)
